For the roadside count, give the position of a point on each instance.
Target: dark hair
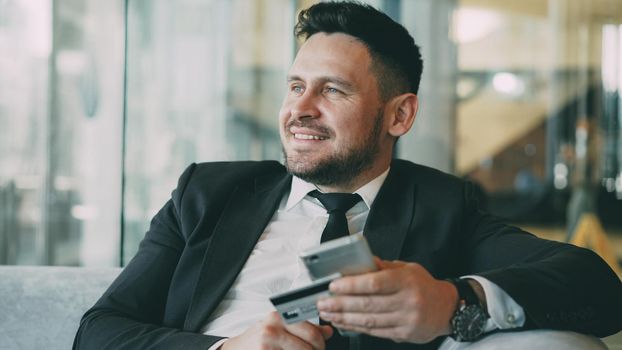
(395, 56)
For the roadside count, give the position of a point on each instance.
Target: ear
(403, 109)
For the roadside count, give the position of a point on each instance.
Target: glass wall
(538, 117)
(60, 121)
(205, 80)
(104, 103)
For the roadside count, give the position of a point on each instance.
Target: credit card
(300, 304)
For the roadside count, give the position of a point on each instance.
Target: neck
(356, 183)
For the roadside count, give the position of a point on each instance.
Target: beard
(339, 168)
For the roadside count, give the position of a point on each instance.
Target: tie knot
(336, 202)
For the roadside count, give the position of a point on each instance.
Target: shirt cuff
(505, 313)
(217, 344)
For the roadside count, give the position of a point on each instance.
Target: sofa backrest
(41, 306)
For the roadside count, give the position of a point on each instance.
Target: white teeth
(308, 137)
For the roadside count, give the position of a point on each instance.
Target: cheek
(283, 115)
(356, 132)
(347, 133)
(285, 107)
(351, 123)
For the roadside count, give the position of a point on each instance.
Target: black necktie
(336, 204)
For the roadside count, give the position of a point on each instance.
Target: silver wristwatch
(469, 321)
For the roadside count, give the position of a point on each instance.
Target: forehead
(335, 54)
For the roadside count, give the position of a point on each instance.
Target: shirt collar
(368, 192)
(299, 190)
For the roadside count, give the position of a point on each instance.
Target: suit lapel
(242, 222)
(389, 221)
(391, 215)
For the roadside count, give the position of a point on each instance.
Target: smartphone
(349, 255)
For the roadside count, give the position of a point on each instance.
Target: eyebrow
(325, 79)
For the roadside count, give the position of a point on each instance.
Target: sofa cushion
(41, 306)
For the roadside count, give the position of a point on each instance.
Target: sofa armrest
(41, 306)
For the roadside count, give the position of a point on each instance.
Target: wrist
(469, 320)
(454, 302)
(479, 292)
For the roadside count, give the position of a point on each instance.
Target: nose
(305, 106)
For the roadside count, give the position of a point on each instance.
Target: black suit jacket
(199, 241)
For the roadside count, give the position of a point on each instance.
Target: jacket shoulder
(434, 187)
(219, 178)
(424, 175)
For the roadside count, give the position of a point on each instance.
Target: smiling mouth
(309, 137)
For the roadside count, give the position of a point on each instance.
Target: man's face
(331, 121)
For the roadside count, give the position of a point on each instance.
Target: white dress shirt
(274, 267)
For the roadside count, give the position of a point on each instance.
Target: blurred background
(104, 103)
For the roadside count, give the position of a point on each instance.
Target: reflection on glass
(521, 97)
(60, 120)
(205, 80)
(611, 124)
(530, 78)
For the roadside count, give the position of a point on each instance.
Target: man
(230, 236)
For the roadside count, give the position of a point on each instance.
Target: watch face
(469, 323)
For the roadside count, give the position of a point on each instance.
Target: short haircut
(396, 60)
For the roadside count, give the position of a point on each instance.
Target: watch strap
(469, 320)
(466, 293)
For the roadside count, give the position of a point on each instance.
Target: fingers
(385, 281)
(327, 331)
(361, 303)
(380, 282)
(309, 333)
(279, 339)
(402, 301)
(273, 334)
(280, 336)
(398, 334)
(386, 264)
(363, 321)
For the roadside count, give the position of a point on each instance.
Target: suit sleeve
(129, 315)
(559, 286)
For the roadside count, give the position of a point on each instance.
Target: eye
(331, 90)
(297, 89)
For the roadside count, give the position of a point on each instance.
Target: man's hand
(272, 333)
(402, 302)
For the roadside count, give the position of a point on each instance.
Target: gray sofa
(41, 307)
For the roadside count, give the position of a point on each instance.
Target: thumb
(386, 264)
(327, 332)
